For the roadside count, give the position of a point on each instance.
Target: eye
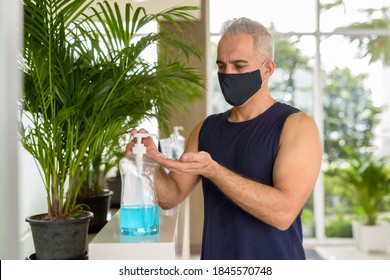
(220, 67)
(240, 67)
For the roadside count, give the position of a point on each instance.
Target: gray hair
(262, 39)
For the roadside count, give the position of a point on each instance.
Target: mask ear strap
(263, 78)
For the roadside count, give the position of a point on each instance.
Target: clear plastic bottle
(177, 142)
(139, 211)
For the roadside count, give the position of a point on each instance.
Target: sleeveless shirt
(249, 149)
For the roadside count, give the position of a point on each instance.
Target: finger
(155, 155)
(185, 157)
(148, 141)
(161, 159)
(143, 130)
(194, 157)
(177, 166)
(128, 150)
(133, 131)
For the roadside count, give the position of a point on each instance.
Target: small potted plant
(86, 83)
(367, 183)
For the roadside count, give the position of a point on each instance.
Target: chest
(249, 150)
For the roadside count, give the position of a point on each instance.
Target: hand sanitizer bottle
(178, 142)
(139, 214)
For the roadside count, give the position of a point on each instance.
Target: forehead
(240, 45)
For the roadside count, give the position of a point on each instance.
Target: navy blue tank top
(248, 148)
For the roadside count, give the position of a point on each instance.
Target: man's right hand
(148, 142)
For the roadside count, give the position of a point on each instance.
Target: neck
(254, 107)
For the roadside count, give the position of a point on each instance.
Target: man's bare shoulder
(300, 120)
(300, 125)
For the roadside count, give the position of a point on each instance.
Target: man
(258, 161)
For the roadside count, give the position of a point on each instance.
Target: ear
(268, 69)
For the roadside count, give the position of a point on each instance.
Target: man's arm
(173, 188)
(295, 173)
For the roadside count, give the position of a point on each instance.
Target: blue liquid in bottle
(139, 220)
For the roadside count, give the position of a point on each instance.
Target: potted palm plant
(367, 182)
(158, 86)
(86, 84)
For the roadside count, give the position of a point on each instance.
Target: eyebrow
(234, 61)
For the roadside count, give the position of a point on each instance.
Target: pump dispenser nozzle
(176, 129)
(139, 150)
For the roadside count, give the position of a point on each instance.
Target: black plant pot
(60, 240)
(115, 185)
(33, 257)
(99, 205)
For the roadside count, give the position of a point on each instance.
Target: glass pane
(284, 15)
(218, 103)
(363, 14)
(356, 94)
(292, 81)
(307, 217)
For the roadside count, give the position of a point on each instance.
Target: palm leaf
(368, 180)
(86, 84)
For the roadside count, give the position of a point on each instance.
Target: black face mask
(238, 88)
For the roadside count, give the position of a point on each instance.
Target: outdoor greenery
(350, 118)
(366, 181)
(289, 60)
(347, 98)
(376, 48)
(86, 84)
(362, 184)
(339, 227)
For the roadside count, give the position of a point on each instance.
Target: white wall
(32, 199)
(10, 21)
(21, 188)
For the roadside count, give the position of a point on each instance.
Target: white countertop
(110, 244)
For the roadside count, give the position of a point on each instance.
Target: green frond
(87, 84)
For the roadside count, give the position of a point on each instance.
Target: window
(333, 62)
